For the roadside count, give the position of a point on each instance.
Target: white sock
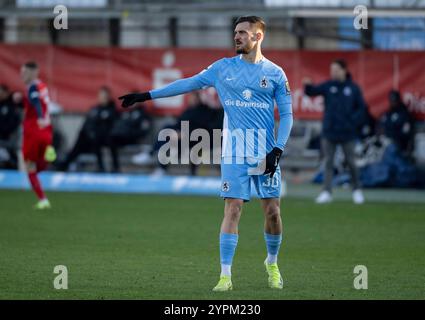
(226, 270)
(271, 258)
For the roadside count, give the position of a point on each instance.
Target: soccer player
(248, 85)
(37, 148)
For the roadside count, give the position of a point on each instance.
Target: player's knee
(273, 213)
(233, 209)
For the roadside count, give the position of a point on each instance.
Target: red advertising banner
(74, 75)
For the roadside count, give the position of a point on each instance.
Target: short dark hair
(31, 65)
(341, 62)
(259, 22)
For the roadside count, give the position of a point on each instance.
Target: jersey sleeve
(284, 105)
(34, 98)
(204, 79)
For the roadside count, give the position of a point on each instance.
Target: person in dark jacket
(344, 110)
(10, 121)
(95, 131)
(396, 123)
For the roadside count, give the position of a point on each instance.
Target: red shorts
(34, 146)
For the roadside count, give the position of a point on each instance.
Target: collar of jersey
(256, 63)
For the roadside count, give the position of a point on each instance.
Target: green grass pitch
(166, 247)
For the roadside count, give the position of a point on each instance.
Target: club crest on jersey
(225, 187)
(263, 82)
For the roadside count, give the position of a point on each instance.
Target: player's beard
(242, 51)
(245, 50)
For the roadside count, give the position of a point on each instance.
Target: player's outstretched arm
(203, 79)
(131, 98)
(173, 89)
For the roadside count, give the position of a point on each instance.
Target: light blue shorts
(236, 181)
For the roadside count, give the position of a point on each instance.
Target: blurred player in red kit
(37, 148)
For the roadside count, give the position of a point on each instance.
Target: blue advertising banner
(116, 183)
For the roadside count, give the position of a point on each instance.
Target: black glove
(132, 98)
(272, 161)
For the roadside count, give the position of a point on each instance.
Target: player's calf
(43, 202)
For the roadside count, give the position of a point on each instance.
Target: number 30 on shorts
(274, 182)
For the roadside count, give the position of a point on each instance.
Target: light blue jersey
(248, 92)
